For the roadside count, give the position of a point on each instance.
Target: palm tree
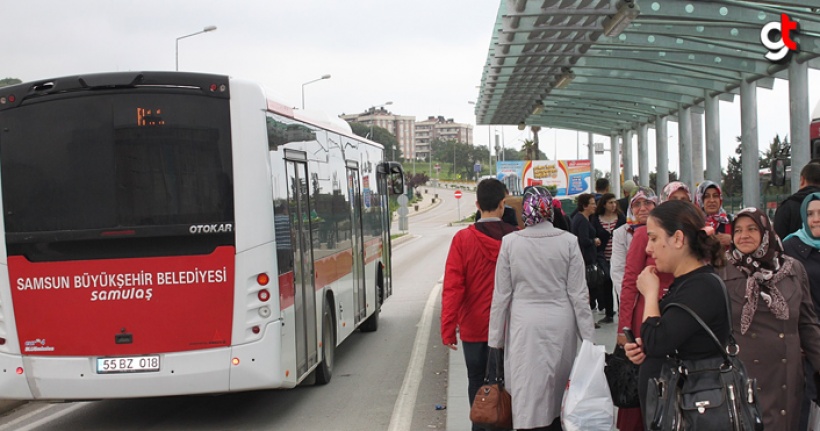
(528, 148)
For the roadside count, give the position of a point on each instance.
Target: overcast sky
(425, 56)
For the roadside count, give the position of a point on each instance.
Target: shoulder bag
(492, 406)
(704, 394)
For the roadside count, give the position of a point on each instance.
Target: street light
(204, 30)
(311, 82)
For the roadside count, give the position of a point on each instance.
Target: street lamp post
(204, 30)
(311, 82)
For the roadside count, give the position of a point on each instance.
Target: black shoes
(607, 319)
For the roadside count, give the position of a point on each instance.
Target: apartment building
(439, 128)
(401, 126)
(414, 137)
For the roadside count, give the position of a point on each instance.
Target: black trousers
(476, 356)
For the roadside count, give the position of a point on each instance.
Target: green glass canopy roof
(604, 66)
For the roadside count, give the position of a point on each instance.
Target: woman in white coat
(540, 313)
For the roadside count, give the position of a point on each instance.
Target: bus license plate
(131, 364)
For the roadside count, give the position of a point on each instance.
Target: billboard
(570, 177)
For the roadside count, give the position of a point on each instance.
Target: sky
(425, 56)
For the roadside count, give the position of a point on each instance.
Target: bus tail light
(235, 361)
(262, 279)
(20, 370)
(263, 295)
(255, 329)
(2, 341)
(264, 312)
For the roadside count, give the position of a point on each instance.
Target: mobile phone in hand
(630, 336)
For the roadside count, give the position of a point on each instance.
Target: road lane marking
(53, 417)
(406, 402)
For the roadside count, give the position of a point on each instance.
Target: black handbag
(595, 275)
(622, 377)
(704, 394)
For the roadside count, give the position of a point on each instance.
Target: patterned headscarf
(672, 187)
(763, 268)
(640, 193)
(804, 233)
(712, 220)
(537, 206)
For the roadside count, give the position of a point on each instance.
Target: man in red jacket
(469, 279)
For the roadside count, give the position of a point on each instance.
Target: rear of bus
(118, 246)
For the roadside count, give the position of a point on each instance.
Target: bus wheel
(372, 322)
(325, 369)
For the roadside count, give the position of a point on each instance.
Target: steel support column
(643, 155)
(685, 145)
(591, 155)
(712, 138)
(749, 145)
(627, 154)
(661, 153)
(615, 166)
(697, 148)
(799, 114)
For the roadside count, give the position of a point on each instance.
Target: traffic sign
(457, 194)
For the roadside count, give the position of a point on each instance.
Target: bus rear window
(145, 161)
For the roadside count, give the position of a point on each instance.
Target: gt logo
(779, 49)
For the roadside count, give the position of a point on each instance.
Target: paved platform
(458, 405)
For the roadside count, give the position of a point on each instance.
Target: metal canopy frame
(672, 56)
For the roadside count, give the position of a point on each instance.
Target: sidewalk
(458, 405)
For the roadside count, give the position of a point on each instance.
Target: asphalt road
(388, 380)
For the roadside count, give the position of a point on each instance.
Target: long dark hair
(683, 216)
(601, 209)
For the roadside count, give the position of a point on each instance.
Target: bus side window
(284, 237)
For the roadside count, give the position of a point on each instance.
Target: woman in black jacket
(606, 219)
(680, 245)
(582, 228)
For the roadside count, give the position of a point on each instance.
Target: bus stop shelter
(620, 67)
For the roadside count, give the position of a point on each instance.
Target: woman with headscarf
(772, 315)
(709, 198)
(676, 191)
(804, 246)
(539, 314)
(628, 260)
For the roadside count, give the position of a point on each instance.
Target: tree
(9, 81)
(528, 148)
(382, 136)
(778, 149)
(416, 180)
(733, 178)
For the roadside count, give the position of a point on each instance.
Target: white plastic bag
(814, 416)
(587, 403)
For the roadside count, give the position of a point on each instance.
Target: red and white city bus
(175, 233)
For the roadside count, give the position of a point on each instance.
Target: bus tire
(372, 322)
(325, 369)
